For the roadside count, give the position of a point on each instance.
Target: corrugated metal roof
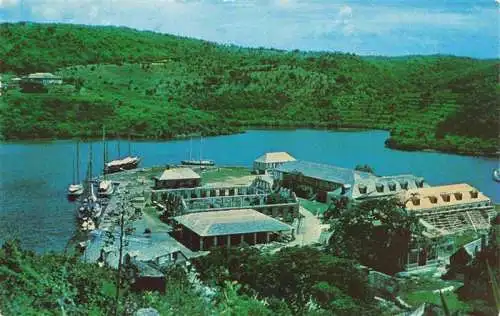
(323, 172)
(179, 174)
(275, 157)
(230, 222)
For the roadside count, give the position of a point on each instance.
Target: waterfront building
(270, 161)
(368, 188)
(319, 179)
(202, 231)
(446, 213)
(174, 178)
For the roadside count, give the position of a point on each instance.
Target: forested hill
(155, 85)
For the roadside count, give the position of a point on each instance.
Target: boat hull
(121, 167)
(496, 175)
(198, 162)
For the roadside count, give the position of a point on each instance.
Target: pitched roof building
(203, 230)
(450, 208)
(365, 188)
(271, 160)
(177, 178)
(321, 178)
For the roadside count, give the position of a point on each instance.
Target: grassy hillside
(154, 85)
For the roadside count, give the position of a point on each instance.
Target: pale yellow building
(270, 161)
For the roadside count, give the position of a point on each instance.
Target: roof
(242, 221)
(275, 157)
(138, 246)
(425, 195)
(179, 174)
(324, 172)
(387, 186)
(42, 75)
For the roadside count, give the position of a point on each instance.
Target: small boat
(76, 188)
(88, 224)
(126, 163)
(496, 174)
(105, 188)
(96, 210)
(197, 162)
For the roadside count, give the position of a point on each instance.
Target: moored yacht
(126, 163)
(105, 189)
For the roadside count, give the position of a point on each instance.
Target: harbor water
(35, 175)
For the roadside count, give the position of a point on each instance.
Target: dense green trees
(292, 275)
(160, 86)
(376, 233)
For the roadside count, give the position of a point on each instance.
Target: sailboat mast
(73, 170)
(191, 149)
(104, 150)
(201, 141)
(77, 161)
(90, 162)
(118, 148)
(129, 146)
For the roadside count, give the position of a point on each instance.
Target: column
(254, 238)
(242, 238)
(268, 237)
(228, 244)
(215, 241)
(201, 243)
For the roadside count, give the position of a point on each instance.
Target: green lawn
(313, 206)
(221, 174)
(420, 291)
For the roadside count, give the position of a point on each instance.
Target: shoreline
(387, 144)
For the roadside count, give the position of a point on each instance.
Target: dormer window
(433, 199)
(458, 196)
(403, 184)
(392, 186)
(473, 194)
(362, 188)
(415, 201)
(379, 187)
(445, 197)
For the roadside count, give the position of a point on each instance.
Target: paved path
(309, 230)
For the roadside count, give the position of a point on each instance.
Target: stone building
(445, 212)
(368, 188)
(177, 178)
(321, 179)
(202, 231)
(270, 161)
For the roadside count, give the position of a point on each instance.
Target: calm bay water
(34, 176)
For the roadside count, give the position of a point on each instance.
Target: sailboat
(105, 186)
(194, 162)
(76, 188)
(127, 163)
(496, 174)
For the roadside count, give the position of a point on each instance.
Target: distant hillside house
(204, 230)
(321, 179)
(44, 78)
(271, 161)
(177, 178)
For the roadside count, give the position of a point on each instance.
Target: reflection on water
(34, 176)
